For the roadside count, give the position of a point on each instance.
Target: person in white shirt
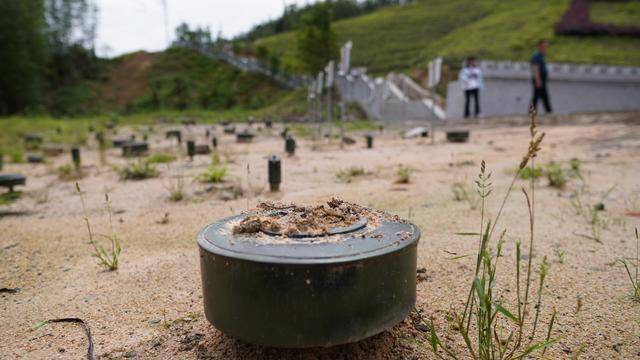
(471, 79)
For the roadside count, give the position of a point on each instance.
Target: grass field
(398, 38)
(618, 13)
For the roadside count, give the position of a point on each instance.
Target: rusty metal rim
(359, 245)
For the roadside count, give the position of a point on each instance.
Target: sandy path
(152, 306)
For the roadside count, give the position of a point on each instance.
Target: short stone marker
(135, 148)
(52, 149)
(349, 140)
(35, 158)
(290, 145)
(75, 157)
(191, 149)
(32, 138)
(202, 149)
(174, 133)
(11, 180)
(32, 141)
(275, 173)
(119, 142)
(245, 136)
(369, 138)
(416, 132)
(458, 136)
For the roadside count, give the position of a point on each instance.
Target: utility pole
(166, 22)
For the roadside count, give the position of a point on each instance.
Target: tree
(316, 41)
(262, 53)
(198, 37)
(22, 54)
(71, 23)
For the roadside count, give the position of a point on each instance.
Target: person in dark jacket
(471, 79)
(539, 77)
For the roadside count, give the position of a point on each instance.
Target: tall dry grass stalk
(488, 329)
(108, 259)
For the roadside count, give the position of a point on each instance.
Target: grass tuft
(10, 197)
(556, 175)
(175, 185)
(106, 258)
(160, 158)
(137, 171)
(634, 278)
(214, 174)
(463, 192)
(489, 330)
(403, 174)
(347, 175)
(68, 172)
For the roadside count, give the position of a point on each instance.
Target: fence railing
(393, 98)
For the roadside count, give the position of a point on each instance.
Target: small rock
(190, 341)
(130, 354)
(154, 321)
(422, 327)
(349, 140)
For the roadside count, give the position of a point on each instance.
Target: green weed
(106, 258)
(160, 158)
(137, 171)
(175, 185)
(214, 174)
(556, 175)
(489, 330)
(463, 192)
(68, 172)
(347, 175)
(582, 202)
(9, 198)
(531, 173)
(559, 255)
(635, 279)
(403, 174)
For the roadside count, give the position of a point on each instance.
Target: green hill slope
(185, 79)
(399, 38)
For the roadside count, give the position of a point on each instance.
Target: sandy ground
(151, 307)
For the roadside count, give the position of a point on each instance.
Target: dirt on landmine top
(291, 220)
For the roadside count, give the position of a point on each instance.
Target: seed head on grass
(488, 329)
(175, 184)
(106, 258)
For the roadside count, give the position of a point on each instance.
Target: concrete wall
(572, 88)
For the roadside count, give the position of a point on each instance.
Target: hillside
(180, 79)
(399, 38)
